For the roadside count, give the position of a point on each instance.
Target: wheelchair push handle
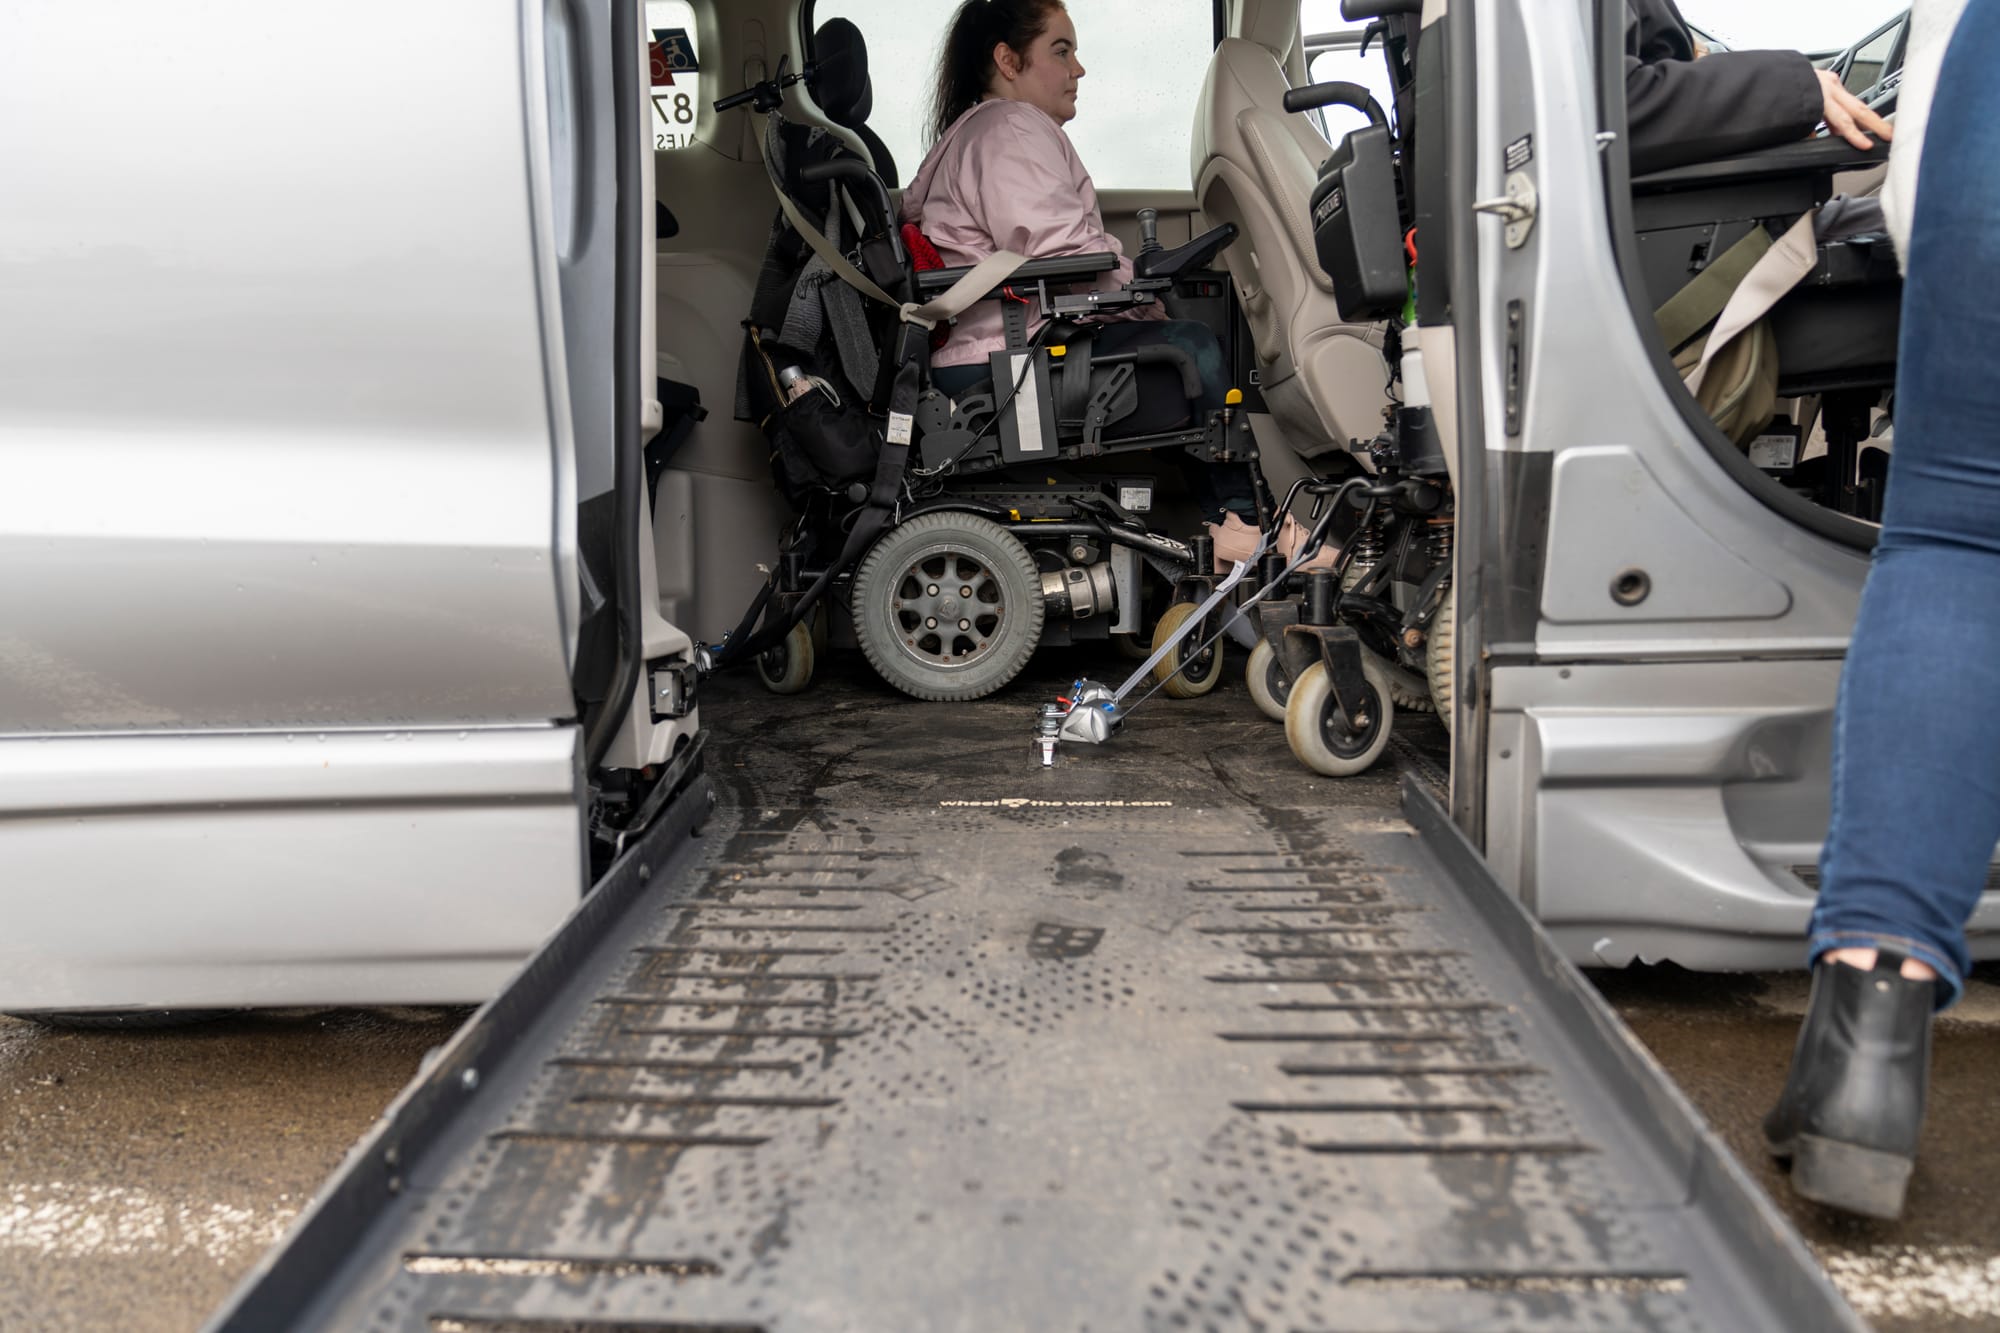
(1336, 93)
(1360, 11)
(768, 95)
(854, 172)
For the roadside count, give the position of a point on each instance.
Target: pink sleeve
(1017, 174)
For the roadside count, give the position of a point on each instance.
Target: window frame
(1608, 27)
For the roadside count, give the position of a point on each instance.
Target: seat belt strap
(987, 274)
(1695, 306)
(1790, 258)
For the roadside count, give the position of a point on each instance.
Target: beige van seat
(1255, 165)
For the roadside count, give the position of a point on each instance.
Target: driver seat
(1255, 165)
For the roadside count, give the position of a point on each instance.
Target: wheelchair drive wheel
(1318, 731)
(1268, 687)
(1199, 668)
(948, 606)
(788, 667)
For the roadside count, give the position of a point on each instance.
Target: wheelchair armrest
(1062, 268)
(1182, 258)
(1772, 183)
(1808, 157)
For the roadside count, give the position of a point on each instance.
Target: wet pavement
(1727, 1040)
(143, 1172)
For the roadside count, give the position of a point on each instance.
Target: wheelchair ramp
(989, 1068)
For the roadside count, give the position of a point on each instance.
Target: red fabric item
(923, 257)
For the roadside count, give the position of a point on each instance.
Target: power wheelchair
(956, 528)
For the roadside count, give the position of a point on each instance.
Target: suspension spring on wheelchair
(1443, 533)
(1369, 544)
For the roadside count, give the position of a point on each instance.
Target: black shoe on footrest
(1853, 1104)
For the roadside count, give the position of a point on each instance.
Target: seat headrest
(1272, 24)
(840, 73)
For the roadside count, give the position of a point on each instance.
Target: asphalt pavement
(143, 1172)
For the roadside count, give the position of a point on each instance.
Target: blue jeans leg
(1916, 756)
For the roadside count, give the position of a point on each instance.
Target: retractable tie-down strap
(1096, 710)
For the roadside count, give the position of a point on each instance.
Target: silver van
(348, 625)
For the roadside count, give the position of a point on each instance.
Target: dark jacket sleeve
(1681, 110)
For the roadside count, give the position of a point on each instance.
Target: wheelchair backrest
(801, 313)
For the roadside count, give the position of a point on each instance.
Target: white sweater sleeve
(1931, 25)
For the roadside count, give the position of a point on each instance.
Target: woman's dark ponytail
(965, 68)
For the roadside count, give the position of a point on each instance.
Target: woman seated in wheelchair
(1002, 175)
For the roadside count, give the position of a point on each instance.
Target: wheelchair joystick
(1149, 230)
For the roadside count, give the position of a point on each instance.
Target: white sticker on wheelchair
(1777, 450)
(1027, 407)
(901, 427)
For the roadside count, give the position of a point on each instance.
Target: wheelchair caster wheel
(788, 667)
(1318, 731)
(1199, 668)
(1268, 687)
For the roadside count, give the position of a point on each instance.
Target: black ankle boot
(1848, 1118)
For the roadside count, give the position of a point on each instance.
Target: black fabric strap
(1073, 393)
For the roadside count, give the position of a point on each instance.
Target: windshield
(1801, 25)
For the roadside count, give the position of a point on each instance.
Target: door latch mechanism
(1516, 208)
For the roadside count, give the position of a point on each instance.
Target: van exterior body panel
(274, 412)
(341, 868)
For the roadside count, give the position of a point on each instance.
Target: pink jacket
(1004, 176)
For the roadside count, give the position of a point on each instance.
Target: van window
(1142, 77)
(1333, 54)
(677, 82)
(1821, 27)
(1866, 70)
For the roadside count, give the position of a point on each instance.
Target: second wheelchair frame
(1340, 650)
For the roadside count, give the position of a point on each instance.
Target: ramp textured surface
(873, 1062)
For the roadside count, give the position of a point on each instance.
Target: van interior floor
(850, 740)
(919, 1036)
